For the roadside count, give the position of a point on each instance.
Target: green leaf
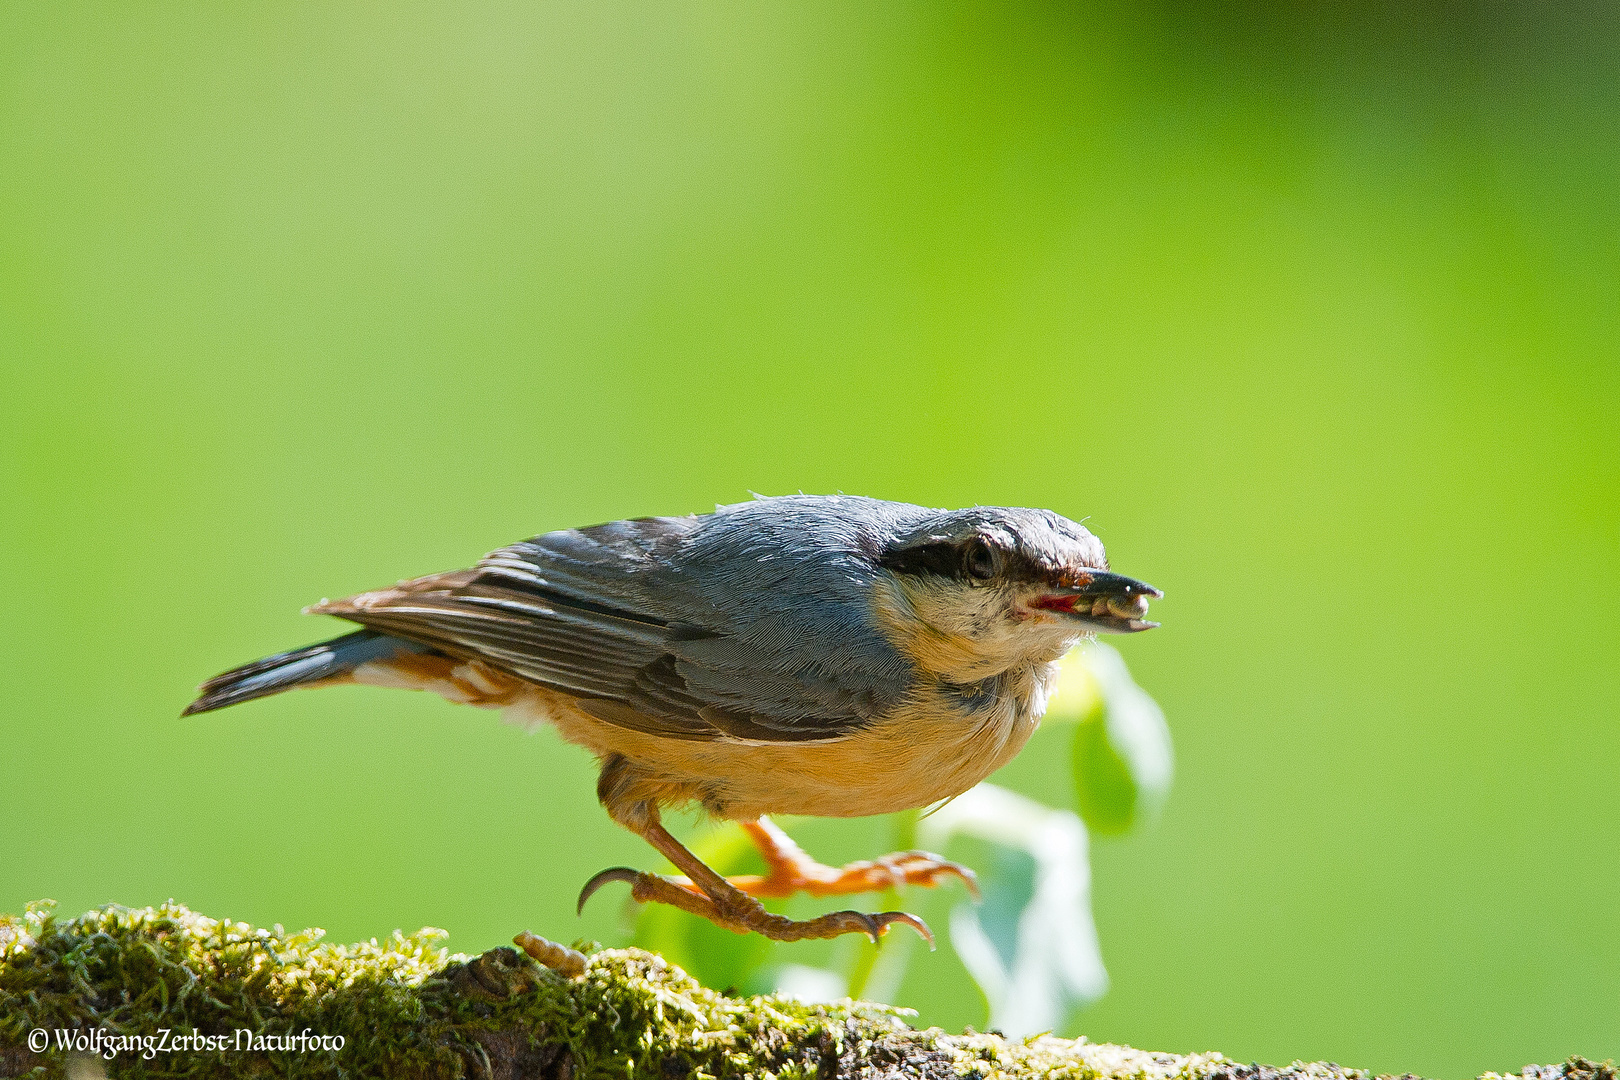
(1121, 753)
(1104, 787)
(1031, 945)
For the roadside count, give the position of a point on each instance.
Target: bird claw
(925, 868)
(837, 923)
(740, 912)
(612, 873)
(883, 921)
(887, 872)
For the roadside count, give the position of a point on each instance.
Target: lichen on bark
(243, 1001)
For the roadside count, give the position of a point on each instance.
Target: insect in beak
(1108, 602)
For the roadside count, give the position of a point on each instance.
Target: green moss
(406, 1008)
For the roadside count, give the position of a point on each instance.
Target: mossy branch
(176, 994)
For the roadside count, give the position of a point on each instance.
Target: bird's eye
(981, 559)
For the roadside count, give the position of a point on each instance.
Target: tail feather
(301, 667)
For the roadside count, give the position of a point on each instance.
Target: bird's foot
(790, 870)
(800, 873)
(736, 911)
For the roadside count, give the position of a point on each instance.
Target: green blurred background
(1313, 317)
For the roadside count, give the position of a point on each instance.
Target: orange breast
(933, 746)
(930, 748)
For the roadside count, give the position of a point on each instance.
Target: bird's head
(970, 593)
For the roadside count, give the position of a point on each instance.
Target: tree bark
(165, 992)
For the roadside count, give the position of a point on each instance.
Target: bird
(819, 655)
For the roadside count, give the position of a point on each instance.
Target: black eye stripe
(948, 559)
(942, 559)
(977, 559)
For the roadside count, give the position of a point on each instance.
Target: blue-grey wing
(636, 621)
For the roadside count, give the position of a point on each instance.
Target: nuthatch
(824, 655)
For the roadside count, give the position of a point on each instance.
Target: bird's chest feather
(940, 741)
(946, 738)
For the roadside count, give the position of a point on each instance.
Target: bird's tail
(301, 667)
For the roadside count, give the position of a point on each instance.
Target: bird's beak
(1107, 602)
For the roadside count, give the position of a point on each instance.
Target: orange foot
(707, 894)
(732, 909)
(791, 871)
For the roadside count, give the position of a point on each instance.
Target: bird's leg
(714, 898)
(791, 871)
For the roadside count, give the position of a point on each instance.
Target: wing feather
(594, 613)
